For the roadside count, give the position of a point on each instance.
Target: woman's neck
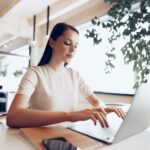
(56, 65)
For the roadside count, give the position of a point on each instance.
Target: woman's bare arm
(94, 101)
(20, 116)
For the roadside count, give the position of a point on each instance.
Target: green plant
(3, 72)
(134, 25)
(18, 73)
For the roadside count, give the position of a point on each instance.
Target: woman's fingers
(118, 111)
(102, 110)
(93, 118)
(101, 118)
(100, 115)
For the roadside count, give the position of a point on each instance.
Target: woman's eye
(67, 43)
(76, 46)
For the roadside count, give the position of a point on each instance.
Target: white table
(11, 139)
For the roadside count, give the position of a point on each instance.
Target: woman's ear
(51, 42)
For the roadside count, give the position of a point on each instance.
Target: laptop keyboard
(97, 132)
(88, 128)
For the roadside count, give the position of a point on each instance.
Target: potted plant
(131, 20)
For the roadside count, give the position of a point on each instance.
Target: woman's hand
(118, 111)
(96, 103)
(93, 114)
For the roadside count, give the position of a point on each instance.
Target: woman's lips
(69, 55)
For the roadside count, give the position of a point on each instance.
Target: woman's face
(65, 46)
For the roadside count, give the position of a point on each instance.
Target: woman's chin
(68, 60)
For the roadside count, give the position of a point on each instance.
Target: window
(90, 62)
(13, 65)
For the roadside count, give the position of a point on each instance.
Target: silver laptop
(136, 120)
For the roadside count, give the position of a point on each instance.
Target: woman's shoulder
(36, 69)
(33, 71)
(73, 71)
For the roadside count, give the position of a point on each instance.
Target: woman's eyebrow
(71, 40)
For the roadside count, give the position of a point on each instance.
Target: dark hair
(57, 31)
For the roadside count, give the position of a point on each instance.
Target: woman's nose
(72, 48)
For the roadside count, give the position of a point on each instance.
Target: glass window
(13, 65)
(90, 62)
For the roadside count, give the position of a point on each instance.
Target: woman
(48, 93)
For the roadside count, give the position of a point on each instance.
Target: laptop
(3, 103)
(136, 120)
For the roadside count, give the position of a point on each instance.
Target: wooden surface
(6, 5)
(36, 135)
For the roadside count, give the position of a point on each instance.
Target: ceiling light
(47, 24)
(34, 28)
(5, 45)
